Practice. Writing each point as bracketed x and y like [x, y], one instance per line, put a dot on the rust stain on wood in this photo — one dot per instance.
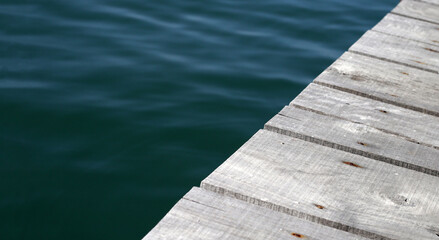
[416, 61]
[431, 50]
[297, 235]
[352, 164]
[319, 206]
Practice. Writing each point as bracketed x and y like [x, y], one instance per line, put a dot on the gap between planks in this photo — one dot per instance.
[409, 139]
[407, 8]
[197, 217]
[419, 19]
[355, 151]
[292, 212]
[373, 97]
[383, 117]
[393, 61]
[292, 176]
[410, 28]
[406, 38]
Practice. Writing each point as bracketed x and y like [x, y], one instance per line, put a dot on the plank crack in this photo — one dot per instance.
[190, 200]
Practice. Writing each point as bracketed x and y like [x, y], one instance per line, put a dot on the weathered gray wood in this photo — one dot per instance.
[385, 81]
[293, 176]
[356, 138]
[400, 50]
[427, 1]
[436, 2]
[406, 124]
[409, 28]
[418, 10]
[205, 215]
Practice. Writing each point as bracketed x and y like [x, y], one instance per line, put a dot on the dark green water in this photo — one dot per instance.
[112, 110]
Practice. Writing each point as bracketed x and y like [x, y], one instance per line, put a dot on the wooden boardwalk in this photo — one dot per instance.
[354, 156]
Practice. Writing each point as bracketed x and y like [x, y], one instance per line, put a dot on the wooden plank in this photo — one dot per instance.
[418, 10]
[384, 81]
[406, 124]
[356, 138]
[409, 28]
[331, 187]
[400, 50]
[205, 215]
[436, 2]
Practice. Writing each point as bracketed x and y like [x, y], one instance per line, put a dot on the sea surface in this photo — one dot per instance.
[111, 110]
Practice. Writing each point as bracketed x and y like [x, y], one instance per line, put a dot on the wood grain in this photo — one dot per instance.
[205, 215]
[425, 11]
[409, 28]
[355, 138]
[384, 81]
[404, 123]
[359, 195]
[436, 2]
[399, 50]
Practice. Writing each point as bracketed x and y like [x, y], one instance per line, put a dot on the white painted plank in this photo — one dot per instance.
[385, 81]
[418, 10]
[404, 123]
[409, 28]
[401, 50]
[356, 138]
[358, 194]
[206, 215]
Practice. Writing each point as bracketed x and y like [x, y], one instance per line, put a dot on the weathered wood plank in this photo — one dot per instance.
[409, 28]
[418, 10]
[406, 124]
[205, 215]
[331, 187]
[427, 1]
[384, 81]
[436, 2]
[399, 50]
[356, 138]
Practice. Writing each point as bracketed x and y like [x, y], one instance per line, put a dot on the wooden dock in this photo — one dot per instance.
[354, 156]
